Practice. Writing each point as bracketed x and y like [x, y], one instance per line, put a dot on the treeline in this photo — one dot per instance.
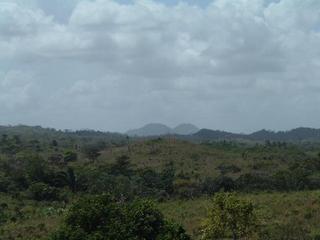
[31, 176]
[53, 172]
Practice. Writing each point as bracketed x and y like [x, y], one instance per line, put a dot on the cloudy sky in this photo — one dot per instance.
[237, 65]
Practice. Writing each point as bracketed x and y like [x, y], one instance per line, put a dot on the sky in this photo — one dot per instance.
[235, 65]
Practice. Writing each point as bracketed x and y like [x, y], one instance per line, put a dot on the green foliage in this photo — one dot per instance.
[103, 218]
[221, 183]
[4, 182]
[168, 177]
[122, 166]
[173, 231]
[43, 192]
[229, 216]
[225, 169]
[254, 181]
[292, 230]
[92, 152]
[68, 178]
[145, 221]
[70, 156]
[3, 213]
[36, 167]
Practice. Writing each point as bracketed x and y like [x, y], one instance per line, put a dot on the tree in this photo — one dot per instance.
[103, 218]
[36, 167]
[67, 178]
[229, 216]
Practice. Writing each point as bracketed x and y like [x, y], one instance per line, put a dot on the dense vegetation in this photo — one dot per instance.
[95, 185]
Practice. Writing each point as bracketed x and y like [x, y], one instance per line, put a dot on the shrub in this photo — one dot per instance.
[70, 156]
[249, 182]
[103, 218]
[229, 216]
[43, 192]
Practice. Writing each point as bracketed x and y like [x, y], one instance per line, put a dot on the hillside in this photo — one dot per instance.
[46, 135]
[198, 161]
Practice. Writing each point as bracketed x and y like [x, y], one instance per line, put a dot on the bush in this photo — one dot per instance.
[186, 190]
[70, 156]
[43, 192]
[225, 168]
[229, 217]
[103, 218]
[222, 183]
[4, 183]
[173, 231]
[249, 182]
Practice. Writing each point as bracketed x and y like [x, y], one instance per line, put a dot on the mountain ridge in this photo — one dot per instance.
[158, 129]
[296, 134]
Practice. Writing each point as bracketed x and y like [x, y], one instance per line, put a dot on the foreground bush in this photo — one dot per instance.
[103, 218]
[229, 217]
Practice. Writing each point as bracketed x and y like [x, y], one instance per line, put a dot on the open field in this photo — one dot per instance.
[302, 209]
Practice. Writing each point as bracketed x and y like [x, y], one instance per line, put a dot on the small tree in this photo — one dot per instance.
[229, 216]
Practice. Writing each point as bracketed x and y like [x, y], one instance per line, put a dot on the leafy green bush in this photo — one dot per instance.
[103, 218]
[229, 217]
[4, 182]
[43, 192]
[70, 156]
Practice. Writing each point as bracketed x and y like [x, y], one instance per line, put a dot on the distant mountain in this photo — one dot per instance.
[297, 134]
[158, 129]
[185, 129]
[152, 129]
[38, 132]
[208, 134]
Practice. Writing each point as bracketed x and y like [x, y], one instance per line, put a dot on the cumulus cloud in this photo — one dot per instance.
[105, 64]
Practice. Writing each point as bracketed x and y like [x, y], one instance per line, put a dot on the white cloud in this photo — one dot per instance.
[228, 65]
[15, 90]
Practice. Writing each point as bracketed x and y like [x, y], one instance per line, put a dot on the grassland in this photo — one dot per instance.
[203, 160]
[300, 210]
